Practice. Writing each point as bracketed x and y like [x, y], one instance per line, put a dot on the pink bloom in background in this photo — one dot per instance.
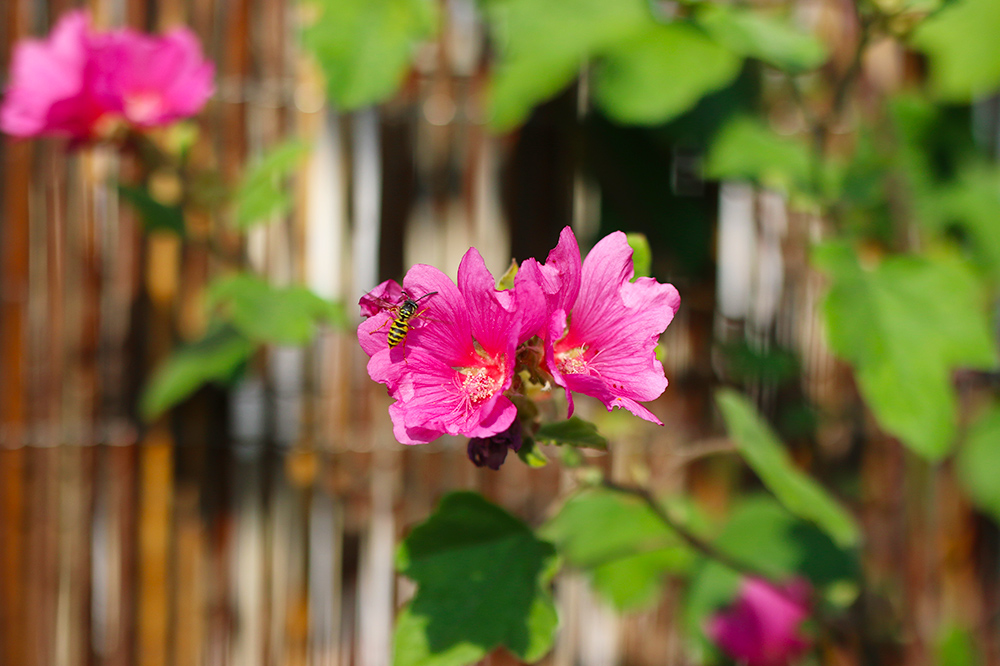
[78, 80]
[762, 627]
[151, 80]
[48, 91]
[450, 373]
[602, 329]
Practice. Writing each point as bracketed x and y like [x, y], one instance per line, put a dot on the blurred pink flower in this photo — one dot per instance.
[79, 81]
[449, 374]
[762, 627]
[151, 80]
[602, 329]
[48, 91]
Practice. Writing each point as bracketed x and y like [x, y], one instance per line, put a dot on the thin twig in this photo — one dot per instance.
[696, 542]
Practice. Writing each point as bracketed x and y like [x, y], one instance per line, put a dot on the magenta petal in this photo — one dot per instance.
[763, 626]
[379, 299]
[495, 324]
[47, 92]
[531, 305]
[444, 327]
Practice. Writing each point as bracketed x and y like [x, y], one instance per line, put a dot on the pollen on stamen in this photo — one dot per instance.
[479, 385]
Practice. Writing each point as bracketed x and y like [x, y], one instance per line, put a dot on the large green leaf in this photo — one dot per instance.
[757, 35]
[482, 579]
[265, 313]
[215, 358]
[263, 194]
[961, 43]
[747, 149]
[763, 536]
[542, 46]
[661, 72]
[797, 492]
[978, 462]
[365, 46]
[621, 543]
[904, 325]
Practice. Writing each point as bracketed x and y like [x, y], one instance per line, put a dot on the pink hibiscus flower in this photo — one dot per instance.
[48, 92]
[602, 328]
[151, 80]
[450, 372]
[762, 627]
[78, 82]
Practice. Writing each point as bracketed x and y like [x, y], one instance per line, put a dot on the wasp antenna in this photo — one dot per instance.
[429, 293]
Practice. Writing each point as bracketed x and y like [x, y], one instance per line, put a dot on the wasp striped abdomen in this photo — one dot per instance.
[398, 330]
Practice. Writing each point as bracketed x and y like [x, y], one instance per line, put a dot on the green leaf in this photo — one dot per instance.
[747, 149]
[956, 647]
[365, 46]
[506, 280]
[573, 432]
[531, 455]
[642, 255]
[960, 41]
[617, 538]
[756, 35]
[215, 358]
[905, 325]
[978, 461]
[482, 579]
[262, 195]
[155, 215]
[265, 313]
[542, 46]
[796, 491]
[972, 201]
[765, 537]
[661, 72]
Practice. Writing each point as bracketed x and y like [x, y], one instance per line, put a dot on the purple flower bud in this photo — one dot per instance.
[492, 451]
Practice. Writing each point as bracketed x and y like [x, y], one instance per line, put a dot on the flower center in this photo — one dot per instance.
[143, 107]
[573, 361]
[480, 384]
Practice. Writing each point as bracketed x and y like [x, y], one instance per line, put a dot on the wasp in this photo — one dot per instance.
[402, 314]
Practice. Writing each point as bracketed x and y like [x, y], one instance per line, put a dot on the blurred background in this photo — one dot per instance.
[256, 522]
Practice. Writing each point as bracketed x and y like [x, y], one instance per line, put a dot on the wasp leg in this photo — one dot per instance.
[387, 321]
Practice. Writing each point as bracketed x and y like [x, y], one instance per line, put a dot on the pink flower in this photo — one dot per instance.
[151, 80]
[48, 92]
[762, 627]
[450, 372]
[602, 329]
[79, 81]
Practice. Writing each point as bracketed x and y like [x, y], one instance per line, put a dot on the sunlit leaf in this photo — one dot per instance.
[757, 35]
[661, 72]
[155, 215]
[542, 46]
[960, 41]
[530, 454]
[265, 313]
[798, 492]
[573, 432]
[482, 579]
[979, 460]
[215, 358]
[263, 193]
[904, 325]
[747, 149]
[365, 46]
[642, 255]
[620, 542]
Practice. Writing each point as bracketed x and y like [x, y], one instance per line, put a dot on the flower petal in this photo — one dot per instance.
[494, 319]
